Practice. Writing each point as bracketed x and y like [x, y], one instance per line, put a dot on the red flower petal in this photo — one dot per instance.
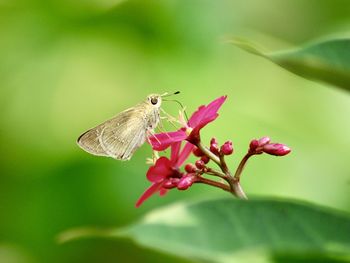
[162, 191]
[186, 151]
[148, 193]
[197, 116]
[175, 149]
[159, 171]
[161, 141]
[206, 114]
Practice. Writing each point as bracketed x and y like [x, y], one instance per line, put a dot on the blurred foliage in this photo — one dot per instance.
[68, 65]
[328, 60]
[259, 228]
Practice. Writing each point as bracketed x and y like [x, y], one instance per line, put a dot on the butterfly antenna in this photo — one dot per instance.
[166, 94]
[182, 107]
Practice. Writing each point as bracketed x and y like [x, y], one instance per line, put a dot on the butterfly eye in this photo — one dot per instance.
[154, 100]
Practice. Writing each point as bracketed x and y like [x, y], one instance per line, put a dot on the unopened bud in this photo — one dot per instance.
[186, 181]
[200, 164]
[171, 183]
[264, 140]
[227, 148]
[214, 147]
[197, 152]
[277, 149]
[253, 145]
[205, 159]
[190, 168]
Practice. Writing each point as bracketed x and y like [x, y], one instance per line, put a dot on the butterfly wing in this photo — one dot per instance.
[118, 137]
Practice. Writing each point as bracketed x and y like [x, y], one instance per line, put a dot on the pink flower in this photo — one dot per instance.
[165, 173]
[190, 132]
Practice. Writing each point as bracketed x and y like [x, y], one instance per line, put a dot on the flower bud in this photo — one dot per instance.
[205, 159]
[227, 148]
[171, 183]
[190, 168]
[197, 152]
[214, 148]
[277, 149]
[200, 164]
[253, 145]
[186, 181]
[264, 140]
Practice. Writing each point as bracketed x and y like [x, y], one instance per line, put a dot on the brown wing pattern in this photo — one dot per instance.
[118, 137]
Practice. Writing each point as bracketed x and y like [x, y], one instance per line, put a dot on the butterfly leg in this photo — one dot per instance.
[162, 130]
[151, 133]
[172, 120]
[155, 155]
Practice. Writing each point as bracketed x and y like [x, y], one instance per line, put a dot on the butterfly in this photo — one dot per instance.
[120, 136]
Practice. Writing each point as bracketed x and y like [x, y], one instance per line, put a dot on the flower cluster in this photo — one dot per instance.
[166, 173]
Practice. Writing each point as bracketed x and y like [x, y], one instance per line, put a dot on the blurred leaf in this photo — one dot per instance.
[327, 61]
[220, 230]
[10, 253]
[314, 258]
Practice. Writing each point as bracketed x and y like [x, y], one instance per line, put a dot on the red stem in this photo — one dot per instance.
[235, 187]
[214, 183]
[241, 166]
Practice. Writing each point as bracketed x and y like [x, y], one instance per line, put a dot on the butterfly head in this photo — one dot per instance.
[155, 100]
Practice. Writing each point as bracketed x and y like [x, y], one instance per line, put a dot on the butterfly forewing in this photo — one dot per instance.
[118, 137]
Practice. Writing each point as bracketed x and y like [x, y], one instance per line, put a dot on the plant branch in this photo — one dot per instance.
[208, 153]
[241, 166]
[214, 183]
[211, 171]
[238, 191]
[234, 185]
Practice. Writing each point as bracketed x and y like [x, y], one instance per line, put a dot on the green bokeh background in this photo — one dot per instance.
[66, 65]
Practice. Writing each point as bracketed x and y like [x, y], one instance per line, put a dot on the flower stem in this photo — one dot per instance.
[214, 183]
[233, 181]
[208, 153]
[238, 191]
[241, 166]
[211, 171]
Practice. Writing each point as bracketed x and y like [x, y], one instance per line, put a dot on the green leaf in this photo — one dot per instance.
[307, 258]
[228, 229]
[327, 61]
